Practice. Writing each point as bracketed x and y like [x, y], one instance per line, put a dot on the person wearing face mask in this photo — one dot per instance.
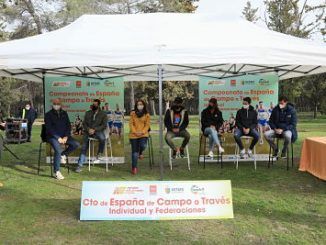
[58, 133]
[176, 121]
[94, 124]
[139, 125]
[211, 121]
[283, 124]
[246, 123]
[30, 115]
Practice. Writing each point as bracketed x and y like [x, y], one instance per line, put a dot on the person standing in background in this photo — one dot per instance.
[118, 122]
[110, 115]
[30, 115]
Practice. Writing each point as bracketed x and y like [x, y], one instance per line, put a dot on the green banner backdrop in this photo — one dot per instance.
[229, 93]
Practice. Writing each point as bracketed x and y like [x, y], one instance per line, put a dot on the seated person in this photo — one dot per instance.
[246, 123]
[283, 123]
[211, 121]
[176, 121]
[139, 126]
[58, 133]
[262, 121]
[94, 124]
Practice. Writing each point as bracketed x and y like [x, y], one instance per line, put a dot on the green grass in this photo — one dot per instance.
[271, 206]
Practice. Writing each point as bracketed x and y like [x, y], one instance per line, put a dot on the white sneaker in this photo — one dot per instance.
[249, 153]
[242, 153]
[63, 159]
[58, 176]
[221, 149]
[210, 154]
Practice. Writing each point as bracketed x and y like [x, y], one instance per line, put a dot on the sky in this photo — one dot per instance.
[235, 7]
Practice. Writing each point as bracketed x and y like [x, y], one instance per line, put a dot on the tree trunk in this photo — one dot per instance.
[31, 10]
[315, 111]
[153, 107]
[132, 96]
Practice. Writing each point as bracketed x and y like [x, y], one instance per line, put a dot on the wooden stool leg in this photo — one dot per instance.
[205, 152]
[39, 159]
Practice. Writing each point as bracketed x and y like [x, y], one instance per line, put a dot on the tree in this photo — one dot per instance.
[250, 13]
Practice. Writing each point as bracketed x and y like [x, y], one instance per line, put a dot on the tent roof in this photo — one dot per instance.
[187, 45]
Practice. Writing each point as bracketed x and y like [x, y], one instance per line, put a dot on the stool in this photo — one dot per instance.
[219, 155]
[187, 155]
[237, 152]
[271, 158]
[91, 148]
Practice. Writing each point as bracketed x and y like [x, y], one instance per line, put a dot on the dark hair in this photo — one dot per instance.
[283, 98]
[98, 101]
[213, 100]
[247, 99]
[178, 100]
[143, 102]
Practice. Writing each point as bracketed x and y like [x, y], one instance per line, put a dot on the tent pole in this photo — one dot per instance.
[160, 85]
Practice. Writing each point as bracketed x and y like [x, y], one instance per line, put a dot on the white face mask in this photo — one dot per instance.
[140, 107]
[245, 106]
[27, 107]
[56, 107]
[282, 106]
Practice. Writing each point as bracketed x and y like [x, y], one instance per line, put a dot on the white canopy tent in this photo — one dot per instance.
[161, 46]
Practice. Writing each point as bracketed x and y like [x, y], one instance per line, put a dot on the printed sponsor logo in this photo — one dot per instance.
[93, 83]
[78, 84]
[171, 190]
[216, 83]
[263, 82]
[127, 190]
[233, 83]
[61, 84]
[109, 83]
[195, 189]
[247, 82]
[153, 189]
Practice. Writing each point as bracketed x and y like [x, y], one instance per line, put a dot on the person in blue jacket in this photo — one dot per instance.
[283, 124]
[58, 133]
[30, 115]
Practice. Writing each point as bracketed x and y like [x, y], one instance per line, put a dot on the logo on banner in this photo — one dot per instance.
[195, 189]
[93, 83]
[233, 83]
[263, 82]
[64, 84]
[216, 83]
[109, 83]
[78, 84]
[121, 190]
[153, 189]
[248, 82]
[171, 190]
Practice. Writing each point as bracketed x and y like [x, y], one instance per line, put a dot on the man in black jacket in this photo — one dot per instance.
[283, 123]
[176, 121]
[30, 115]
[246, 123]
[211, 121]
[58, 133]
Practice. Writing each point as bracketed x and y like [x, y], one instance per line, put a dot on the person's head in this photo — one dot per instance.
[106, 106]
[140, 106]
[28, 106]
[212, 104]
[177, 104]
[261, 105]
[282, 101]
[246, 102]
[96, 104]
[56, 104]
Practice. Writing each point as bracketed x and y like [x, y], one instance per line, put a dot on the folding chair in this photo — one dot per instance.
[271, 158]
[219, 156]
[187, 155]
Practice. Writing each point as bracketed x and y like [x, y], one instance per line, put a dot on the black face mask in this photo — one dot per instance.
[94, 107]
[210, 107]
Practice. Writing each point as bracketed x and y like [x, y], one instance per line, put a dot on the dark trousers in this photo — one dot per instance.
[59, 151]
[29, 130]
[182, 134]
[137, 148]
[238, 133]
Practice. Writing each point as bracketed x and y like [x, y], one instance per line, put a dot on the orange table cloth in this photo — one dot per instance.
[313, 156]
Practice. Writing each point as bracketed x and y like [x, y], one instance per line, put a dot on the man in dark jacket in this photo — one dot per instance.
[246, 123]
[283, 124]
[94, 124]
[58, 133]
[30, 115]
[176, 121]
[211, 121]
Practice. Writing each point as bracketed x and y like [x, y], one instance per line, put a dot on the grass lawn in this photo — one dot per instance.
[271, 206]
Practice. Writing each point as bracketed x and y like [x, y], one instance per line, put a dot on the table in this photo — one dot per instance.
[313, 156]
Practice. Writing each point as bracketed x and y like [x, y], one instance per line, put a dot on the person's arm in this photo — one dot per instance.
[167, 120]
[293, 121]
[220, 120]
[185, 122]
[238, 121]
[85, 123]
[103, 123]
[272, 118]
[132, 123]
[68, 125]
[204, 122]
[255, 121]
[147, 124]
[49, 128]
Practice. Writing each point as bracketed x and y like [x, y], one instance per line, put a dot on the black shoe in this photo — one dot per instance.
[283, 155]
[174, 154]
[182, 153]
[275, 153]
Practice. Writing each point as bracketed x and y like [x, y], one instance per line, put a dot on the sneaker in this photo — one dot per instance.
[58, 176]
[283, 154]
[210, 154]
[174, 154]
[134, 171]
[275, 153]
[98, 159]
[78, 169]
[63, 159]
[221, 149]
[249, 153]
[242, 153]
[182, 153]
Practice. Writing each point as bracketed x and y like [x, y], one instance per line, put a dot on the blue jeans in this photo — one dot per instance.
[137, 148]
[101, 138]
[58, 151]
[212, 134]
[238, 133]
